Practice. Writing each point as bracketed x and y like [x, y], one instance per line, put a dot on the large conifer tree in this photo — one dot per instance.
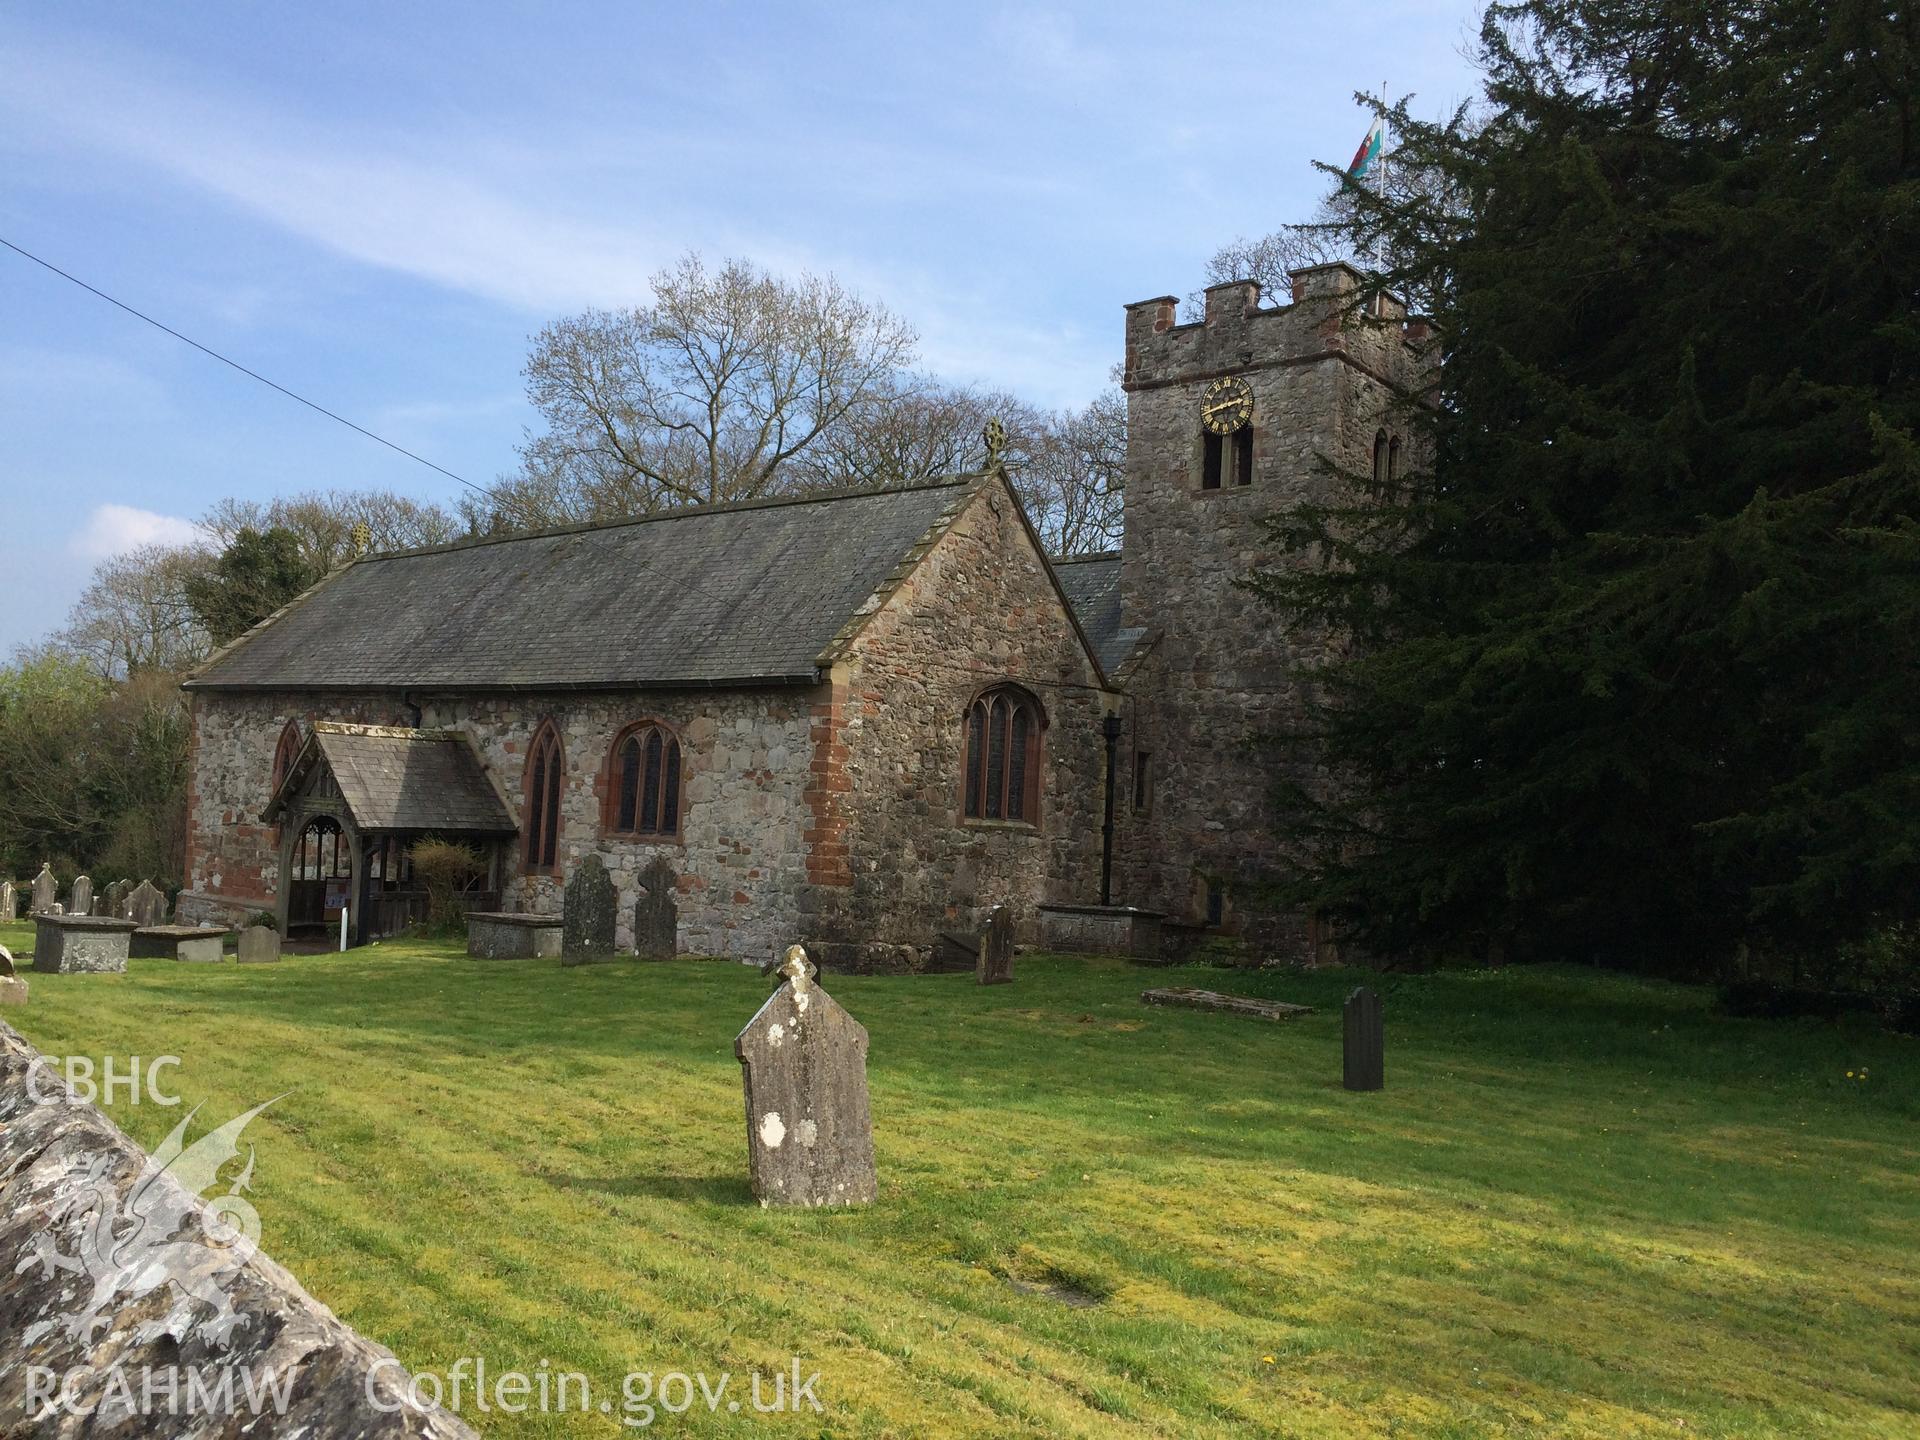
[1637, 672]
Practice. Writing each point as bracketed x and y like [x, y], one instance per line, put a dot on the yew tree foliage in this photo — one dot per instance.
[1636, 660]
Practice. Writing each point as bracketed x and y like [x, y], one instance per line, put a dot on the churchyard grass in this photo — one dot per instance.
[1582, 1205]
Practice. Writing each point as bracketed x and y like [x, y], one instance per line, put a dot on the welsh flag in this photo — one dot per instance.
[1368, 152]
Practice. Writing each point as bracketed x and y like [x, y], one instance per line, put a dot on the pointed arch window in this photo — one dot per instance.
[1002, 774]
[540, 804]
[643, 790]
[285, 753]
[1393, 461]
[1381, 451]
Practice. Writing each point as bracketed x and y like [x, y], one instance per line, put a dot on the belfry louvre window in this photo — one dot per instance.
[1243, 455]
[546, 767]
[1211, 446]
[1003, 756]
[643, 794]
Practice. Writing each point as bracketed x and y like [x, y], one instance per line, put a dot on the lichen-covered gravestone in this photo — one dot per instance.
[995, 963]
[46, 890]
[1364, 1036]
[587, 915]
[9, 901]
[147, 905]
[804, 1065]
[656, 919]
[82, 901]
[13, 990]
[115, 900]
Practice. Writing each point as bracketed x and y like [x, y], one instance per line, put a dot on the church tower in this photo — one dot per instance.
[1231, 420]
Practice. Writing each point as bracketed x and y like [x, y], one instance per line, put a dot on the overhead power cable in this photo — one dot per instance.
[251, 374]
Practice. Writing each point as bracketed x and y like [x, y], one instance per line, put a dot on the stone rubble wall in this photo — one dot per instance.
[56, 1160]
[1225, 672]
[904, 864]
[744, 756]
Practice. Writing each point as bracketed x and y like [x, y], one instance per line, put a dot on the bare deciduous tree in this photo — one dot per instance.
[710, 393]
[1073, 477]
[133, 616]
[322, 522]
[916, 429]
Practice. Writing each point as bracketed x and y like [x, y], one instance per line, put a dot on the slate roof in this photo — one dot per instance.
[708, 596]
[1092, 587]
[399, 779]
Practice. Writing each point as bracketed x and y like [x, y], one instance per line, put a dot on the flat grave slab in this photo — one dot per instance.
[178, 942]
[1188, 997]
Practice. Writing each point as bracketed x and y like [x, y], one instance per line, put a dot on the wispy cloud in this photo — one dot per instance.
[360, 195]
[115, 529]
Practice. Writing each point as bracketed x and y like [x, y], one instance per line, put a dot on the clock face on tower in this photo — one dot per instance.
[1227, 405]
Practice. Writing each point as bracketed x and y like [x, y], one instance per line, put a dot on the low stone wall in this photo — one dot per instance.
[113, 1278]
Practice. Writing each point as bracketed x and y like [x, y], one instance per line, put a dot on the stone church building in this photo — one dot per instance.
[858, 721]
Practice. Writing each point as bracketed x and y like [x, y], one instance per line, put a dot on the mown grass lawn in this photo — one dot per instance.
[1583, 1205]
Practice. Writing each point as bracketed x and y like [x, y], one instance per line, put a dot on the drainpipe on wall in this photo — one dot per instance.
[1110, 727]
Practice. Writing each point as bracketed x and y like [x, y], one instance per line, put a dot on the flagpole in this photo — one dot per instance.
[1380, 184]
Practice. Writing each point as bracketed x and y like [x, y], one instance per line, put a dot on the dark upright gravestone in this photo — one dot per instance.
[46, 890]
[995, 963]
[587, 914]
[804, 1065]
[1365, 1036]
[147, 905]
[114, 900]
[656, 919]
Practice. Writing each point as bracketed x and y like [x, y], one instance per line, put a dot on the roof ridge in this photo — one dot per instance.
[384, 732]
[678, 512]
[1083, 558]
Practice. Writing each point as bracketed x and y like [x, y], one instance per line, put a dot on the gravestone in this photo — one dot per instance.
[115, 901]
[147, 905]
[995, 963]
[9, 901]
[259, 945]
[45, 890]
[587, 915]
[13, 990]
[656, 919]
[803, 1063]
[1365, 1041]
[81, 902]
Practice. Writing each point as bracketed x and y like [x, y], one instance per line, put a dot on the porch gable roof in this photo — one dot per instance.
[392, 778]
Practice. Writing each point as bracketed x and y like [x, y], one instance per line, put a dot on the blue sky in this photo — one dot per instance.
[375, 205]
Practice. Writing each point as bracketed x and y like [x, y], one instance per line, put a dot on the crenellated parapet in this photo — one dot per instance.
[1329, 315]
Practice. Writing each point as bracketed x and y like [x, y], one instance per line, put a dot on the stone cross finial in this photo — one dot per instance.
[995, 438]
[798, 968]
